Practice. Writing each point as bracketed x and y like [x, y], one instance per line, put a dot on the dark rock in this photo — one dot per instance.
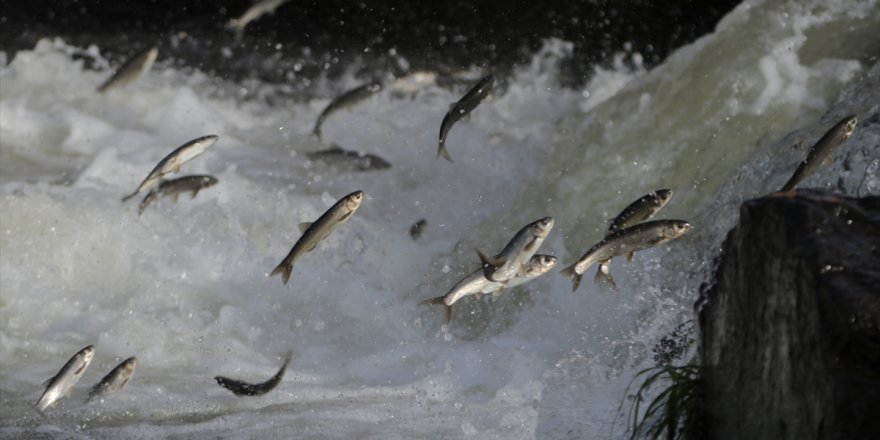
[791, 343]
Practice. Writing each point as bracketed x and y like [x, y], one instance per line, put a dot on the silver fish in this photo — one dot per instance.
[519, 250]
[114, 381]
[464, 106]
[172, 162]
[416, 230]
[313, 233]
[477, 284]
[821, 151]
[131, 70]
[347, 99]
[353, 160]
[60, 385]
[642, 209]
[256, 10]
[173, 188]
[241, 388]
[625, 242]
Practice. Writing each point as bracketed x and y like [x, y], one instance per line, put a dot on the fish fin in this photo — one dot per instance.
[629, 256]
[48, 381]
[312, 247]
[467, 118]
[284, 270]
[304, 226]
[316, 132]
[497, 294]
[174, 197]
[439, 300]
[194, 193]
[575, 277]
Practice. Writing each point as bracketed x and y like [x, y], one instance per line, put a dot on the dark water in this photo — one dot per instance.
[304, 39]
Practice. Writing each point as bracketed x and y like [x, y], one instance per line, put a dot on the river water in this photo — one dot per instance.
[185, 286]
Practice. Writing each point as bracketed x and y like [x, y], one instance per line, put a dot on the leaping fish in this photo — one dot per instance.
[114, 381]
[519, 250]
[131, 70]
[241, 388]
[347, 99]
[625, 242]
[460, 109]
[477, 284]
[353, 160]
[642, 209]
[172, 162]
[60, 385]
[313, 233]
[256, 10]
[821, 151]
[173, 188]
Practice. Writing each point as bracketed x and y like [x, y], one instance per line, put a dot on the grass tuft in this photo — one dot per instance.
[671, 414]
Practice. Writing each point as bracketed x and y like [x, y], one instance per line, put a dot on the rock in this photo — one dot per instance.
[791, 327]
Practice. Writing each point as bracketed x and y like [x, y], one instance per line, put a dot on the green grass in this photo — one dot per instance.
[672, 414]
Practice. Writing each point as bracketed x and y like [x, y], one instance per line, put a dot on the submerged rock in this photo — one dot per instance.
[791, 329]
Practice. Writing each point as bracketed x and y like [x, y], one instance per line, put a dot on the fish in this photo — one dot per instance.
[460, 109]
[821, 151]
[131, 70]
[507, 263]
[416, 230]
[353, 160]
[254, 12]
[60, 385]
[173, 188]
[476, 283]
[172, 162]
[625, 242]
[241, 388]
[115, 379]
[347, 99]
[642, 209]
[313, 233]
[636, 212]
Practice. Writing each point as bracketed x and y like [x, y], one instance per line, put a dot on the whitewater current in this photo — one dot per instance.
[185, 286]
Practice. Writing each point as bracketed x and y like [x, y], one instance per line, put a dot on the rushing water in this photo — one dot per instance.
[184, 287]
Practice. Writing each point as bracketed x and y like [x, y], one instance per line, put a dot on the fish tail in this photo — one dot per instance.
[789, 185]
[234, 26]
[442, 151]
[575, 277]
[439, 300]
[316, 132]
[795, 178]
[284, 269]
[490, 265]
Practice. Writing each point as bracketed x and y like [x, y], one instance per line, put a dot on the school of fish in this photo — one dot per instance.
[517, 263]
